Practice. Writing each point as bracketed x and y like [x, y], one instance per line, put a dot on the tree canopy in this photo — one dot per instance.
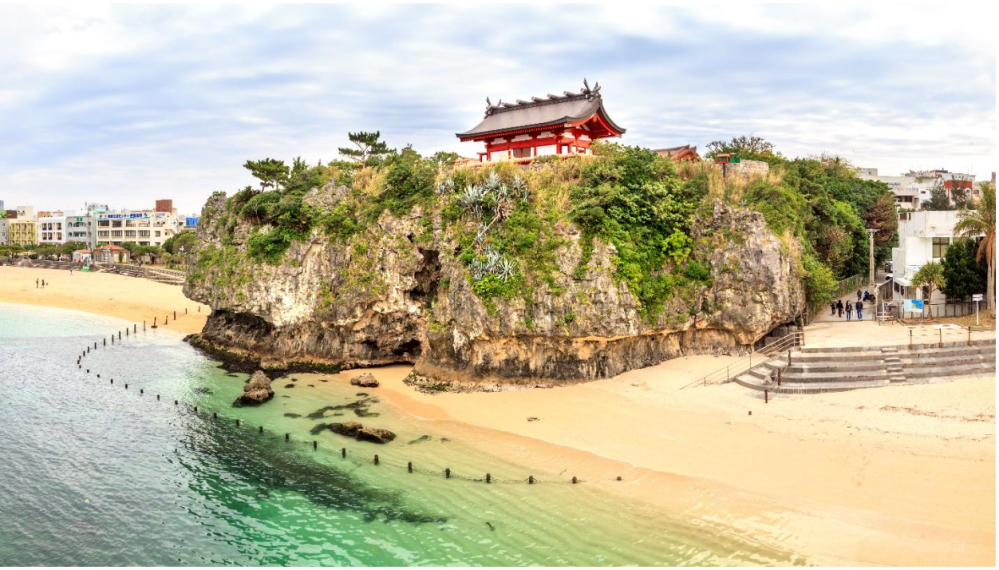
[369, 145]
[272, 173]
[963, 274]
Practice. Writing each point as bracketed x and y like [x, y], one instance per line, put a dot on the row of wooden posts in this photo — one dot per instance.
[287, 436]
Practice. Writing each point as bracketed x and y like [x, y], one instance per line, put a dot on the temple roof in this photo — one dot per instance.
[542, 112]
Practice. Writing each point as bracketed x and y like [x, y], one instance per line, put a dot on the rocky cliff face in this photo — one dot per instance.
[398, 292]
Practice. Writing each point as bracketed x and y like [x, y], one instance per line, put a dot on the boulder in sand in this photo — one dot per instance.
[256, 392]
[366, 380]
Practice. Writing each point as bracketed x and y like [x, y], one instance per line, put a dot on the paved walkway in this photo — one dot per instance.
[832, 330]
[823, 315]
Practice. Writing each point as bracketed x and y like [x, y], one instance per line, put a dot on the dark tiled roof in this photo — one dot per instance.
[540, 112]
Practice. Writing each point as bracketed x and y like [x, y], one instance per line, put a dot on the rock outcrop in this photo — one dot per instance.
[357, 431]
[256, 391]
[398, 293]
[366, 380]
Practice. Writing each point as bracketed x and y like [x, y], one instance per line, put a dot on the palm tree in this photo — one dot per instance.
[931, 275]
[981, 221]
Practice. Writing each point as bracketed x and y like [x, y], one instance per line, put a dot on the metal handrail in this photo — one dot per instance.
[736, 368]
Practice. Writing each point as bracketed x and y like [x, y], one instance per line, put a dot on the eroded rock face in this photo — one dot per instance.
[404, 297]
[256, 391]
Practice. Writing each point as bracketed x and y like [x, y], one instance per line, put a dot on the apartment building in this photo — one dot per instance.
[143, 227]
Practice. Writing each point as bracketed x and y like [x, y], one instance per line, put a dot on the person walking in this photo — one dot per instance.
[36, 283]
[849, 311]
[858, 294]
[839, 307]
[832, 309]
[860, 311]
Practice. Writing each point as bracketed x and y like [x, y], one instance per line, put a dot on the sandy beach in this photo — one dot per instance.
[128, 298]
[901, 475]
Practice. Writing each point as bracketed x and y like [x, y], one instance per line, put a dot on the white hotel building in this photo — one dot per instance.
[143, 227]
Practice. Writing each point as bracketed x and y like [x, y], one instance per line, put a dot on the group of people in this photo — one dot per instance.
[839, 307]
[39, 283]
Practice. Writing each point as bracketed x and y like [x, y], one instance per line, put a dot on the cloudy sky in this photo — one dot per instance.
[124, 105]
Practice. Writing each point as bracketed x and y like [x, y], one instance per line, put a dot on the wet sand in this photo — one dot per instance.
[128, 298]
[901, 475]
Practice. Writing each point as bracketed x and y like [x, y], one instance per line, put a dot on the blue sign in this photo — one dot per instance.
[913, 306]
[191, 222]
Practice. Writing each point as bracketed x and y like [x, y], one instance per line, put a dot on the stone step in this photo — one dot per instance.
[923, 343]
[917, 363]
[836, 376]
[871, 356]
[956, 370]
[836, 366]
[799, 388]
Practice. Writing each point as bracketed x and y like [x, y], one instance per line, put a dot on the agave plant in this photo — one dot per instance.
[446, 186]
[493, 182]
[480, 234]
[472, 198]
[505, 269]
[493, 258]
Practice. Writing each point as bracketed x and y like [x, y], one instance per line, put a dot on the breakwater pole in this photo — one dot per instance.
[377, 459]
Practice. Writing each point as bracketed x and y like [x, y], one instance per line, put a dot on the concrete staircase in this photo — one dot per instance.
[816, 370]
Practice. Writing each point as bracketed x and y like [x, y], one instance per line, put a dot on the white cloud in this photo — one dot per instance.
[127, 104]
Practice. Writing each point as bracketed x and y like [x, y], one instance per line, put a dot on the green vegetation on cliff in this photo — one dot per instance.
[510, 224]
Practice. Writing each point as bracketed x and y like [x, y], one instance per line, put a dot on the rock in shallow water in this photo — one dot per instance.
[257, 391]
[361, 433]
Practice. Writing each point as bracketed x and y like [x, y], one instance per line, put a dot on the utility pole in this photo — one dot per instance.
[871, 233]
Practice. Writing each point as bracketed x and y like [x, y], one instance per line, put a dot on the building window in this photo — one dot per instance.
[940, 247]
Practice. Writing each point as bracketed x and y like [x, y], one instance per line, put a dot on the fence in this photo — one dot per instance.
[934, 310]
[722, 375]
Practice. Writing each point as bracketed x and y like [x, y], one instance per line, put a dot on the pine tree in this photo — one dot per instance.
[368, 146]
[271, 172]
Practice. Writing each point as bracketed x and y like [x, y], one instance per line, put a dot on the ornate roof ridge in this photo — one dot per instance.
[585, 93]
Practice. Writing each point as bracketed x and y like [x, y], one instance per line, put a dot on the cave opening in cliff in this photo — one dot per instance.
[427, 276]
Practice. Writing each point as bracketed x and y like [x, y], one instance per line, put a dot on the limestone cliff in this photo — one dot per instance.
[400, 290]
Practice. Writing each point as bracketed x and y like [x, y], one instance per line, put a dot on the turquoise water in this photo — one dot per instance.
[92, 473]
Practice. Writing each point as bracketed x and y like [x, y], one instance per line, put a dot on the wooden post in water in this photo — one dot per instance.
[154, 323]
[409, 466]
[175, 315]
[766, 397]
[530, 479]
[489, 478]
[376, 459]
[315, 445]
[447, 472]
[287, 437]
[574, 480]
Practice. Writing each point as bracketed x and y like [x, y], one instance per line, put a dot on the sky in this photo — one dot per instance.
[124, 105]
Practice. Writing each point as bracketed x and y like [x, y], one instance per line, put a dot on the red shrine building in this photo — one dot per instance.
[557, 124]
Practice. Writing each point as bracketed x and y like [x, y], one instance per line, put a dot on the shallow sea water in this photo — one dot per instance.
[92, 473]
